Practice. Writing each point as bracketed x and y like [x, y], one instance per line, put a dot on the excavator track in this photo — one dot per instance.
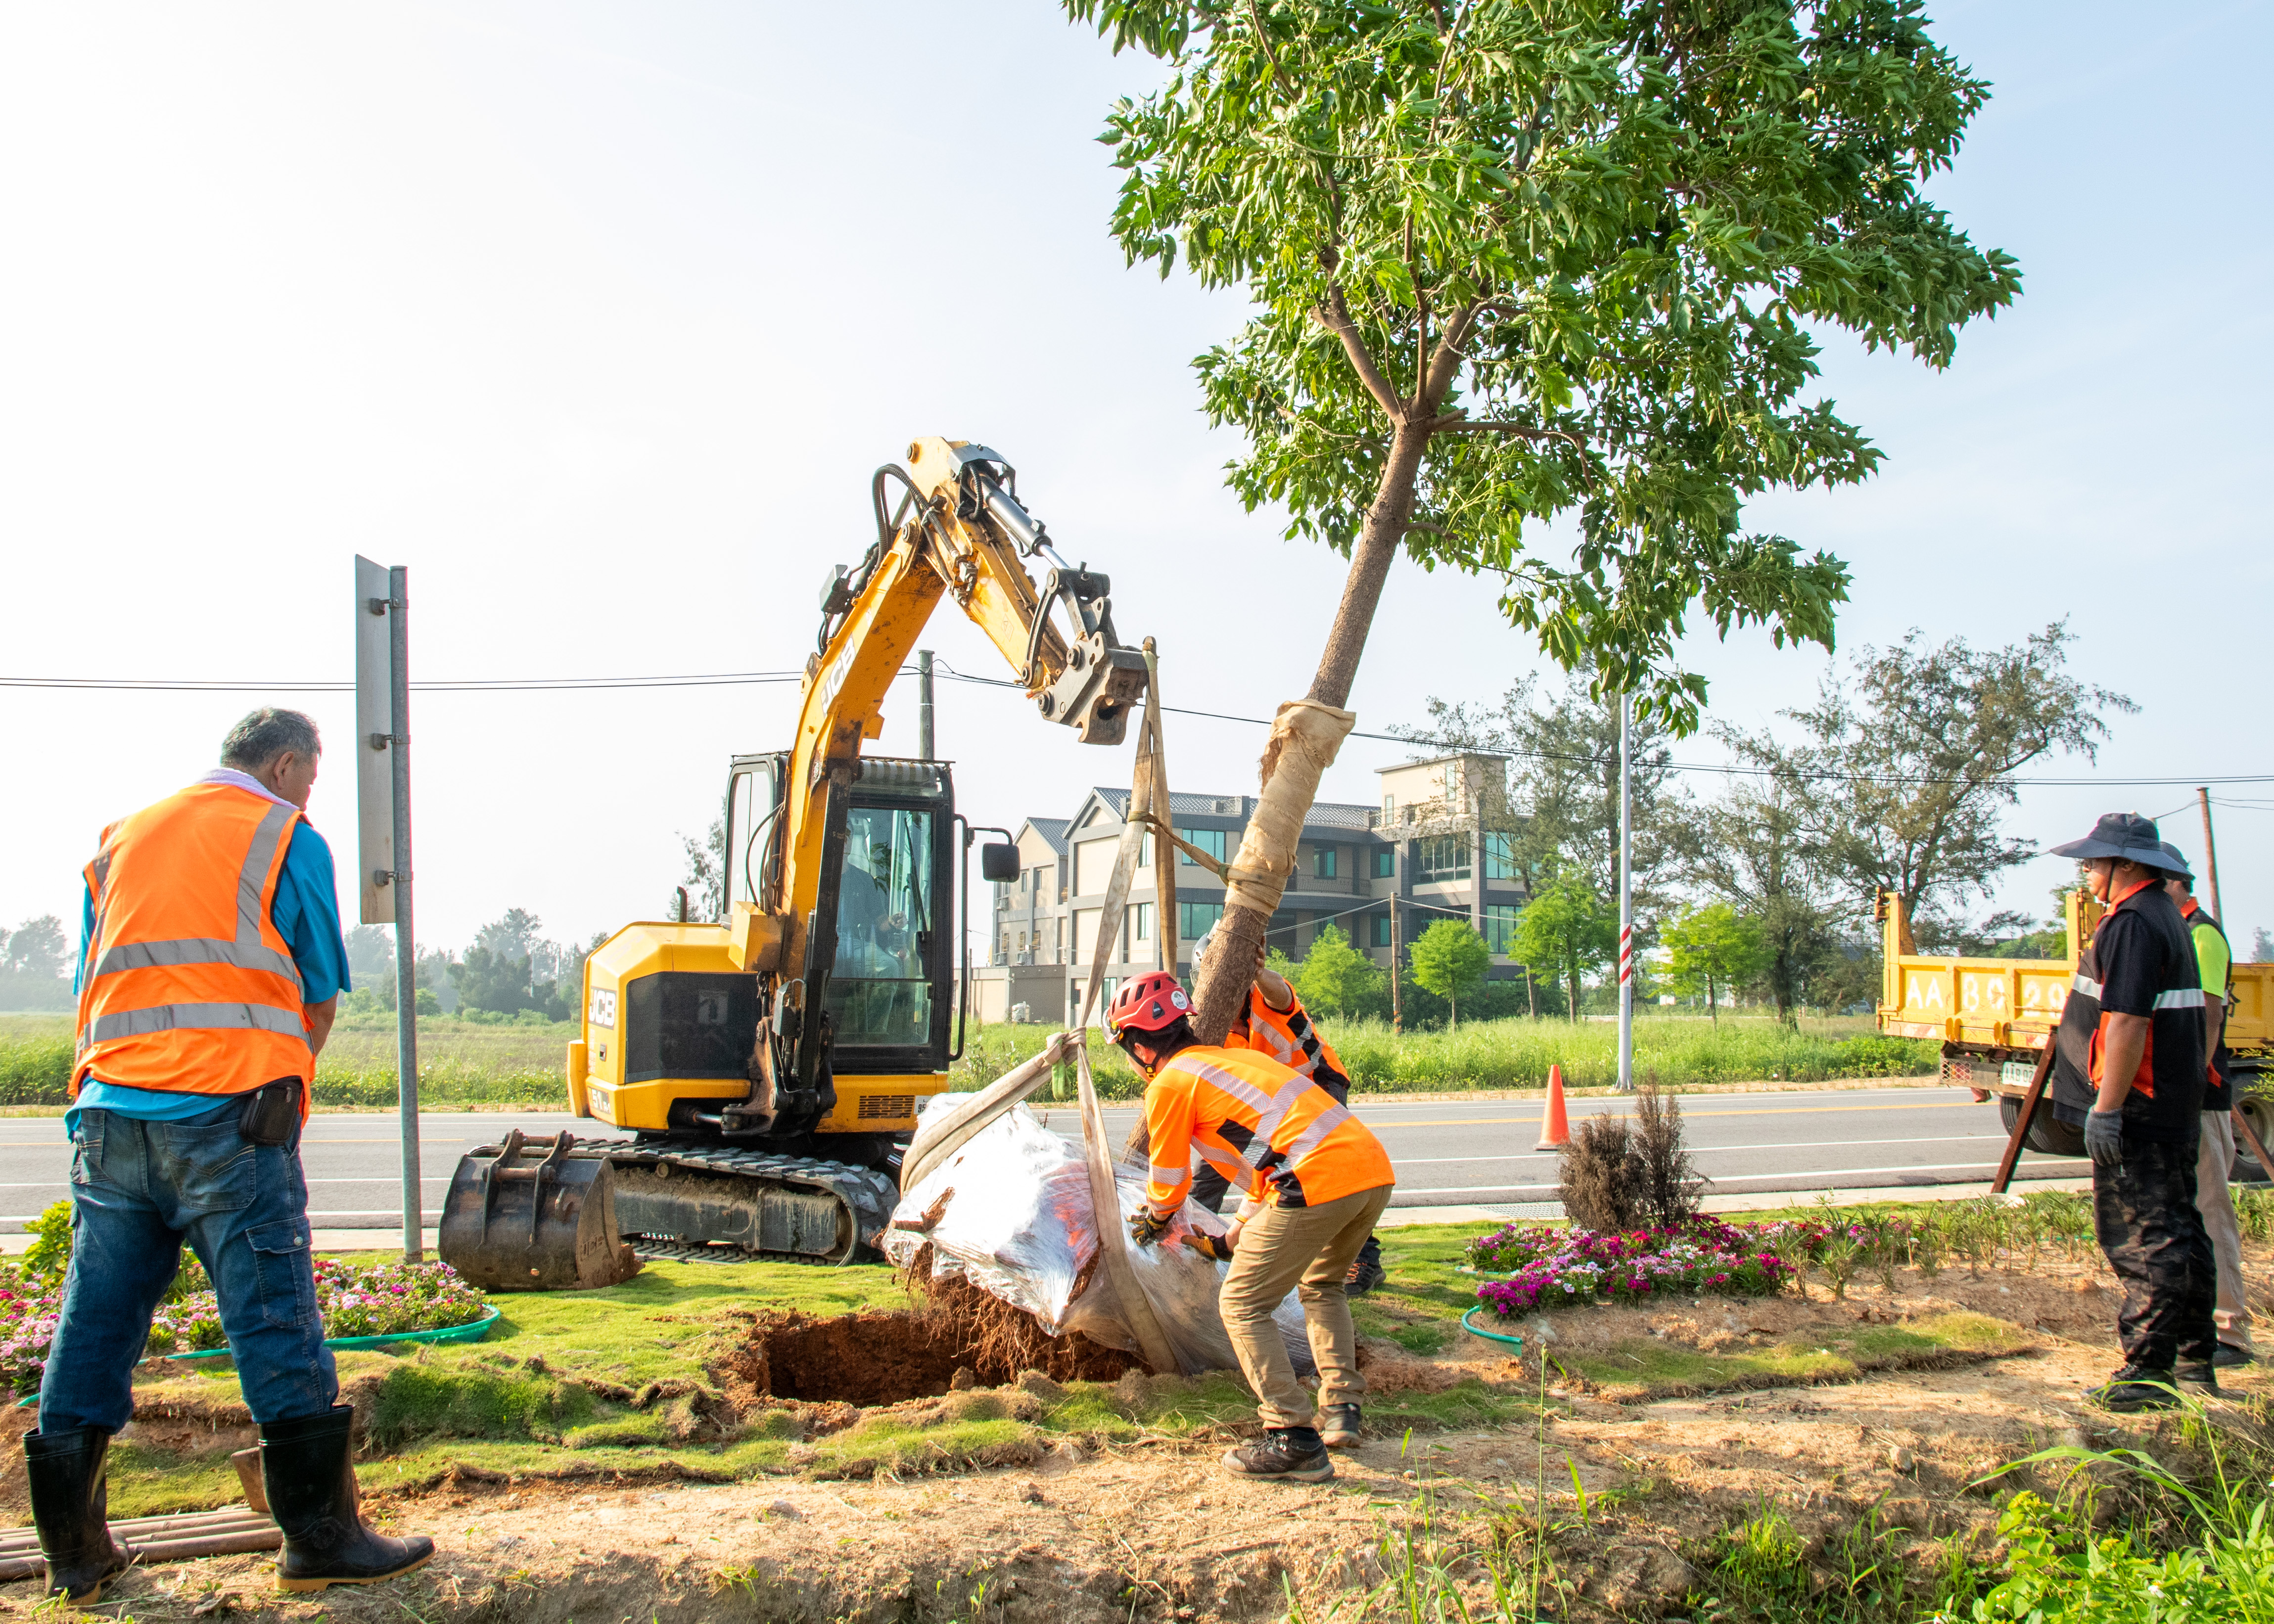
[706, 1203]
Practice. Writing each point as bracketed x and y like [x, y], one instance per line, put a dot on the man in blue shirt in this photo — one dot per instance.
[209, 973]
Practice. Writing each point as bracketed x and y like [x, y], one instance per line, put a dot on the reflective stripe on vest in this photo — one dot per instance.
[2184, 998]
[2085, 984]
[199, 1017]
[191, 1010]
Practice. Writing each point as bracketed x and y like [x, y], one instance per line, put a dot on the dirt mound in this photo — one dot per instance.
[961, 1338]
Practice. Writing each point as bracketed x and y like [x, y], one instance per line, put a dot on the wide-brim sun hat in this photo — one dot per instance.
[2125, 836]
[2178, 865]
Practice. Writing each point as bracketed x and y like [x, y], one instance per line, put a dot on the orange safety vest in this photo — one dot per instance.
[189, 987]
[1269, 1130]
[1290, 1037]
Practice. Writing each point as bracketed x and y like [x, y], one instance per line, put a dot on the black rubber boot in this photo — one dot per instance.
[70, 1502]
[307, 1467]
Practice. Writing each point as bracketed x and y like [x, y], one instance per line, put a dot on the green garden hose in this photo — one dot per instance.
[1497, 1336]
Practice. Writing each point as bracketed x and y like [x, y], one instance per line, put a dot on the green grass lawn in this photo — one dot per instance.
[620, 1383]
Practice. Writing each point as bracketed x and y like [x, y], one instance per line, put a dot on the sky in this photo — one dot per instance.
[597, 317]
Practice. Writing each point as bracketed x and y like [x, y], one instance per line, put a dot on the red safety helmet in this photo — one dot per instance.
[1151, 1003]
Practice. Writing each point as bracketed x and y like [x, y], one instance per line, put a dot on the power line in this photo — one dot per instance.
[511, 685]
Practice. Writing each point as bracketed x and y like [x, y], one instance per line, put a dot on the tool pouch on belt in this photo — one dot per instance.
[270, 1113]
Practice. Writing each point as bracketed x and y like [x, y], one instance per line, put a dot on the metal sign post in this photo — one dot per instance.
[383, 806]
[1626, 899]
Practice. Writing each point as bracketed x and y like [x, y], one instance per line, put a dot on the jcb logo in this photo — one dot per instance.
[603, 1009]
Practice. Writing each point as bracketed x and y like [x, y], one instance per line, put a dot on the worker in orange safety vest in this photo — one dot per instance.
[1276, 1023]
[211, 965]
[1318, 1180]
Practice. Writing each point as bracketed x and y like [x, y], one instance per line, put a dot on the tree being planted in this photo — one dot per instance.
[1513, 261]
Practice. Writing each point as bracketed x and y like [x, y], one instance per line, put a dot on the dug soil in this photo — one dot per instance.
[1637, 1478]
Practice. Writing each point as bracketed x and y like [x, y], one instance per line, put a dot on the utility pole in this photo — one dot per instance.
[1626, 898]
[2211, 854]
[1396, 1004]
[924, 704]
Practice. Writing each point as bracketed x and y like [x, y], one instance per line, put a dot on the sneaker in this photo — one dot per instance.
[1287, 1454]
[2198, 1375]
[2132, 1388]
[1338, 1426]
[2229, 1356]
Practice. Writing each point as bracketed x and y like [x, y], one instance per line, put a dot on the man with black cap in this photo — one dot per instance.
[2129, 1069]
[2214, 1157]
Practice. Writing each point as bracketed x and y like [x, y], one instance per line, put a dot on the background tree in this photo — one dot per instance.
[1563, 777]
[1513, 259]
[2261, 947]
[1754, 849]
[1451, 960]
[706, 880]
[39, 947]
[1709, 950]
[1565, 925]
[1909, 764]
[1335, 978]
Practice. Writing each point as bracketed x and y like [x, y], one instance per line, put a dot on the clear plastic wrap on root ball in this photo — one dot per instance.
[1010, 1212]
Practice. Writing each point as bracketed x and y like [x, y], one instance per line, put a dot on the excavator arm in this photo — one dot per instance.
[957, 530]
[949, 525]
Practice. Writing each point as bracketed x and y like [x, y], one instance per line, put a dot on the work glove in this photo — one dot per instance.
[1146, 1226]
[1215, 1247]
[2104, 1137]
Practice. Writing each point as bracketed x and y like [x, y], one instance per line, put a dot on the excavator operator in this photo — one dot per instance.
[1320, 1181]
[1275, 1024]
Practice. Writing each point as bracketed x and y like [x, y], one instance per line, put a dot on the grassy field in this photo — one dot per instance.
[1675, 1051]
[469, 1066]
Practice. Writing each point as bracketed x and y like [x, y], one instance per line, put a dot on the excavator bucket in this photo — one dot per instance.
[535, 1217]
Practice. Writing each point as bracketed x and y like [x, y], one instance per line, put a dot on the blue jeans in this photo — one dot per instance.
[139, 1190]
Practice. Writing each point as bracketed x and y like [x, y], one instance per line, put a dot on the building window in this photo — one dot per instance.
[1389, 807]
[1208, 840]
[1195, 918]
[1382, 931]
[1385, 863]
[1325, 861]
[1442, 857]
[1145, 853]
[1140, 922]
[1500, 926]
[1500, 857]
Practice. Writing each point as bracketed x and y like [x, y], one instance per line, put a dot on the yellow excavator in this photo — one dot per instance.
[770, 1066]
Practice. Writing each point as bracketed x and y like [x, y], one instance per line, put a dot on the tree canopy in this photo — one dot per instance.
[1906, 766]
[1335, 978]
[1518, 259]
[1451, 960]
[1711, 949]
[1565, 929]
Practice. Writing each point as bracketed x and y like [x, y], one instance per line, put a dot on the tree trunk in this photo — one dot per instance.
[1712, 1009]
[1221, 992]
[1572, 986]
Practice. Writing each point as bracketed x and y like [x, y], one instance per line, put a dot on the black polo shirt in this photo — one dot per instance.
[2141, 961]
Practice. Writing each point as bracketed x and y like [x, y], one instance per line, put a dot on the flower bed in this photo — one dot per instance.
[1558, 1266]
[355, 1299]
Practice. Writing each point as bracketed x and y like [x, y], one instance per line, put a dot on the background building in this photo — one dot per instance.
[1438, 846]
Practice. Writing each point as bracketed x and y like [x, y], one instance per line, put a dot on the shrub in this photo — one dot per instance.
[1600, 1176]
[1670, 1187]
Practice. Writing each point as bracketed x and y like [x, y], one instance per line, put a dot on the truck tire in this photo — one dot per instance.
[2049, 1136]
[2258, 1111]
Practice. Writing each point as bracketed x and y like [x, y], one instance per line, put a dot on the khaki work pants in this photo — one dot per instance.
[2214, 1163]
[1309, 1250]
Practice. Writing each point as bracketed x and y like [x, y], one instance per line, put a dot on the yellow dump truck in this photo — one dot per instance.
[1994, 1017]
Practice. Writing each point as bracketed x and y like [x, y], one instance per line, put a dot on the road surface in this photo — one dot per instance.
[1452, 1152]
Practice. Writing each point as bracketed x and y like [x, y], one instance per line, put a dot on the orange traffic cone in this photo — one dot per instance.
[1556, 1133]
